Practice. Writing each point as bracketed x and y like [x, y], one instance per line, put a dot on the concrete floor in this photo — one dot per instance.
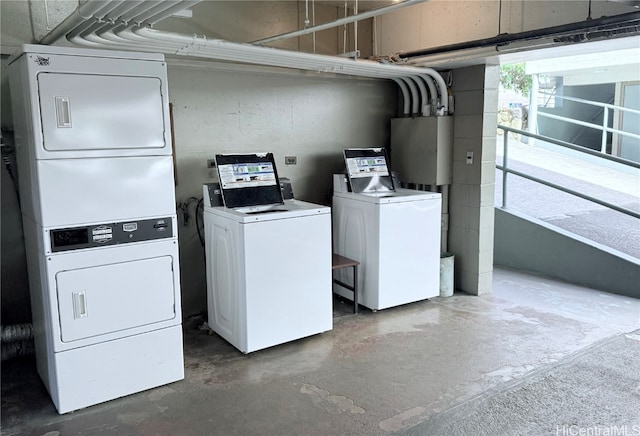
[393, 371]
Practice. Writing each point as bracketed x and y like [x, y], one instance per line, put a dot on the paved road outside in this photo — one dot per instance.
[585, 218]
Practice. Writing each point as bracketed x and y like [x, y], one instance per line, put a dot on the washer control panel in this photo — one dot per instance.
[101, 235]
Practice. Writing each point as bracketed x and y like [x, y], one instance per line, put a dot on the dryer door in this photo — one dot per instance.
[113, 298]
[83, 112]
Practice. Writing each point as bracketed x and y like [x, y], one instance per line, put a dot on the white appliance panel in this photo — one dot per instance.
[224, 275]
[288, 264]
[78, 191]
[396, 242]
[100, 112]
[80, 263]
[409, 252]
[113, 369]
[111, 298]
[268, 282]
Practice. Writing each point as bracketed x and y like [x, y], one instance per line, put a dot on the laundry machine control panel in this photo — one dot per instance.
[101, 235]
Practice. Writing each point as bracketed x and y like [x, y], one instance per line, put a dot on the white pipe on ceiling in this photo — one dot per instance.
[340, 21]
[119, 33]
[83, 13]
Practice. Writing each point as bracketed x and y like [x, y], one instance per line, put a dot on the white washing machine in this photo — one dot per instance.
[98, 209]
[393, 233]
[268, 274]
[396, 239]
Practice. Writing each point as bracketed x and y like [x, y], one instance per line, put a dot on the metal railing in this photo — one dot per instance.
[506, 170]
[604, 127]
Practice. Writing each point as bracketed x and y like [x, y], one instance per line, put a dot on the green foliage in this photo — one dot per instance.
[512, 76]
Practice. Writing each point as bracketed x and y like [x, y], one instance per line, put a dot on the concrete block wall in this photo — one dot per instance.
[472, 193]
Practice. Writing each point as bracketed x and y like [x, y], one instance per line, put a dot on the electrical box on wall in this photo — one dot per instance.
[422, 149]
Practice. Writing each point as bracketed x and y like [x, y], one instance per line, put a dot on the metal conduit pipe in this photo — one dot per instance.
[143, 6]
[83, 13]
[107, 16]
[148, 39]
[92, 25]
[340, 21]
[183, 4]
[195, 46]
[433, 93]
[406, 108]
[123, 8]
[424, 97]
[110, 19]
[158, 9]
[139, 12]
[415, 100]
[246, 53]
[89, 35]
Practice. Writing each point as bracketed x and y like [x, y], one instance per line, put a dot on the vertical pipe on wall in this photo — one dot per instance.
[355, 28]
[444, 242]
[433, 93]
[406, 102]
[415, 101]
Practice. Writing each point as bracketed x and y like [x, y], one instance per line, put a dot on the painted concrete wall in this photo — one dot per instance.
[532, 245]
[217, 109]
[472, 192]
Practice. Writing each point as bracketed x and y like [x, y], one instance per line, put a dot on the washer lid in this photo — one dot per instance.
[399, 196]
[290, 209]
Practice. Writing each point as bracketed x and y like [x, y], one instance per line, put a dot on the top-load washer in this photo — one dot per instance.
[268, 260]
[393, 233]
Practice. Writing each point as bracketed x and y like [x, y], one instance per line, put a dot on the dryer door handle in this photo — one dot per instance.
[63, 112]
[79, 304]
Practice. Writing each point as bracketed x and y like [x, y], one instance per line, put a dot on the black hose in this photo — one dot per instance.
[199, 212]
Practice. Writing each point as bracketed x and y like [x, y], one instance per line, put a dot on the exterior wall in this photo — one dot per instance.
[548, 248]
[472, 192]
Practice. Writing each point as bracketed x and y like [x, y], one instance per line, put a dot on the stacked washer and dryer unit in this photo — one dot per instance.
[98, 206]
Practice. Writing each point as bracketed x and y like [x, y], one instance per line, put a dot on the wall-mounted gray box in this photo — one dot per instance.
[422, 149]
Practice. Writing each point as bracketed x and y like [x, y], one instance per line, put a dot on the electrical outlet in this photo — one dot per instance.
[469, 157]
[211, 163]
[290, 160]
